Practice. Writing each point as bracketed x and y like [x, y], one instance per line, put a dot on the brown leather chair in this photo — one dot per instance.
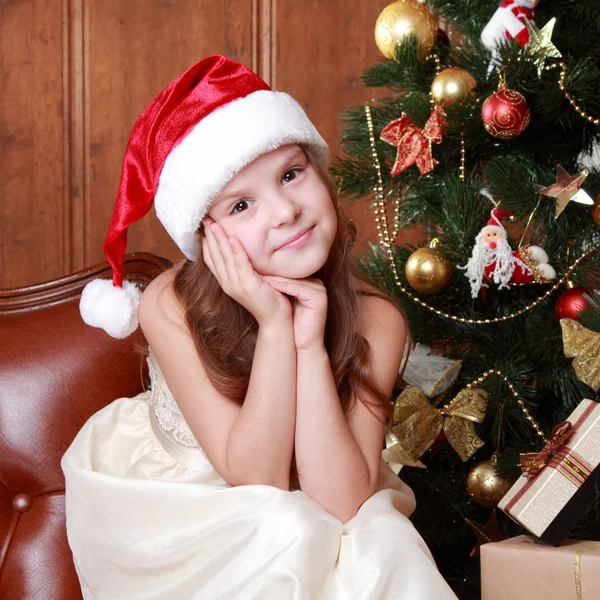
[55, 372]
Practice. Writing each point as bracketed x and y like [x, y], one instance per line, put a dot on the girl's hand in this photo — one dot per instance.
[309, 306]
[229, 263]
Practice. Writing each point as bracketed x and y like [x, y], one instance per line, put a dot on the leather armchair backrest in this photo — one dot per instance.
[55, 372]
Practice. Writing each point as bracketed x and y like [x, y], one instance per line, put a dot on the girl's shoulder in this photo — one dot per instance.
[364, 286]
[159, 300]
[380, 315]
[372, 298]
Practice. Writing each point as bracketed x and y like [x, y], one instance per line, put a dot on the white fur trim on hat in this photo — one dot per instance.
[497, 228]
[111, 308]
[217, 148]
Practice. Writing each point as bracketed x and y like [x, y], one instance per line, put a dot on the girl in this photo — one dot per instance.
[252, 468]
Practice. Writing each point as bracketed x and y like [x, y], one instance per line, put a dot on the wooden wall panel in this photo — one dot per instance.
[33, 219]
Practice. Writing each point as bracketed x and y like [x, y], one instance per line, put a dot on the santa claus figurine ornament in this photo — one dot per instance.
[493, 260]
[508, 23]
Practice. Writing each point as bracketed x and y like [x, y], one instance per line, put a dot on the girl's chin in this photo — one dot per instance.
[302, 270]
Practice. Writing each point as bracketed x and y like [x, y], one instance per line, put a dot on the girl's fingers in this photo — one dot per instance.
[222, 254]
[315, 284]
[223, 245]
[219, 270]
[303, 292]
[207, 257]
[240, 258]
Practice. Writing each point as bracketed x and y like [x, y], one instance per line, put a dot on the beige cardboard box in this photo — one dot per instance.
[526, 568]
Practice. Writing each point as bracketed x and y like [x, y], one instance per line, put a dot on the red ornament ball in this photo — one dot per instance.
[505, 114]
[571, 303]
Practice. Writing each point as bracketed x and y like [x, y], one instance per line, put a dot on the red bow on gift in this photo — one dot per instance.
[414, 143]
[532, 463]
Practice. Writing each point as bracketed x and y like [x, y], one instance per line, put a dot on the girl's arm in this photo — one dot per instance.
[338, 455]
[248, 444]
[261, 441]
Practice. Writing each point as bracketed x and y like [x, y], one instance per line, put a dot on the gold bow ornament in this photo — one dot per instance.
[584, 345]
[416, 425]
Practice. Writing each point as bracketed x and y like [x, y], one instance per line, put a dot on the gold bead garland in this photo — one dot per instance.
[438, 68]
[396, 221]
[561, 84]
[462, 157]
[514, 392]
[382, 227]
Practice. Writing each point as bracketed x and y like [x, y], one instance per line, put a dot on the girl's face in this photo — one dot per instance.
[273, 200]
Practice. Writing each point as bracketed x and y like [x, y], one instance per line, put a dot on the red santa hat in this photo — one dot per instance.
[202, 129]
[494, 223]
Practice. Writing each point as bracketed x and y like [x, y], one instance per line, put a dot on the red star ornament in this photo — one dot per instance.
[490, 532]
[414, 143]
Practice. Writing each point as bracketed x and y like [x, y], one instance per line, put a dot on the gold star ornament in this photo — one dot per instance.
[566, 189]
[540, 45]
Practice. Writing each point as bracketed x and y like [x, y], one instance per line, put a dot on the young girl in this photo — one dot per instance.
[252, 467]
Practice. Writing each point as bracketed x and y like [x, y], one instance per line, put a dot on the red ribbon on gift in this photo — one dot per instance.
[414, 143]
[532, 463]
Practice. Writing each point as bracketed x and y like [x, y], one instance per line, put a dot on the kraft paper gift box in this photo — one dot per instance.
[562, 480]
[526, 568]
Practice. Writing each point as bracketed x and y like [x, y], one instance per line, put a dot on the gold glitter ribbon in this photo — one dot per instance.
[584, 345]
[577, 568]
[416, 425]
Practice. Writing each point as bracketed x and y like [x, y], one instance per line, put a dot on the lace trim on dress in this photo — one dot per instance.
[166, 410]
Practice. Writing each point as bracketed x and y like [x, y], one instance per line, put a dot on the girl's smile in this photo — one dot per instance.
[298, 241]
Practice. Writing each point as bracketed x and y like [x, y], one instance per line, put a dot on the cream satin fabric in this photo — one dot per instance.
[149, 518]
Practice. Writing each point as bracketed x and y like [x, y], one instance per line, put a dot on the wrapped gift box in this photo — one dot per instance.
[549, 498]
[526, 568]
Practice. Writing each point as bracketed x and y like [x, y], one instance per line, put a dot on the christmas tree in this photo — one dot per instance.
[483, 137]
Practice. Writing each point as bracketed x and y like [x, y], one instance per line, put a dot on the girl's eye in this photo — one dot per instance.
[238, 204]
[291, 174]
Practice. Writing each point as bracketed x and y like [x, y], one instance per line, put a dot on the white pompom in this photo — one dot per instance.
[111, 308]
[546, 271]
[538, 254]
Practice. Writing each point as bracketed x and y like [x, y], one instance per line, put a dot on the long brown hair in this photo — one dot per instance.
[225, 333]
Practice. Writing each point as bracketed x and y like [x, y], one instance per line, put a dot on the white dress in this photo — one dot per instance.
[149, 518]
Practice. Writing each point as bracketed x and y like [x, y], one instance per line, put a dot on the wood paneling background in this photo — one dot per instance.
[75, 74]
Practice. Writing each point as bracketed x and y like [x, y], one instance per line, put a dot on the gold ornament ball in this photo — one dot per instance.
[596, 211]
[484, 485]
[403, 18]
[428, 271]
[452, 86]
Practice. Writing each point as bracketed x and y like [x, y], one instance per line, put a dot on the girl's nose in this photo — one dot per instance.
[285, 210]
